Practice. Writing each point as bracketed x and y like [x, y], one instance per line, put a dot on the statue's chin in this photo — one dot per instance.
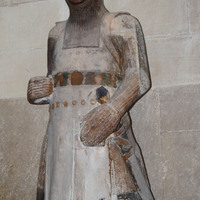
[76, 2]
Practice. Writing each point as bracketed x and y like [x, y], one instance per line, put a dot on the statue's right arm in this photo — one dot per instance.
[40, 88]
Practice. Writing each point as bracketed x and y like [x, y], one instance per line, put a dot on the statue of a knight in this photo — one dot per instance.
[97, 70]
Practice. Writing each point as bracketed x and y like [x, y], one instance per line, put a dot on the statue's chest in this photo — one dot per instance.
[88, 50]
[85, 59]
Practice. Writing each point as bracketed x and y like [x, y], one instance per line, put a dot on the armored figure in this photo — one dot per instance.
[97, 70]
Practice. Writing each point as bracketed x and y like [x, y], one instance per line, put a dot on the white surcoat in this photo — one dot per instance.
[75, 171]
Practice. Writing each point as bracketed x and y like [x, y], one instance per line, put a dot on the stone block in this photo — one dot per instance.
[146, 125]
[17, 69]
[15, 2]
[157, 17]
[22, 128]
[181, 160]
[26, 26]
[179, 109]
[194, 16]
[174, 61]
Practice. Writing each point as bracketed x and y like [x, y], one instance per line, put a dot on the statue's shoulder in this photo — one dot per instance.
[123, 16]
[122, 23]
[58, 29]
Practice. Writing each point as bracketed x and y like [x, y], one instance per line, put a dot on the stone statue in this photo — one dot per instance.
[97, 70]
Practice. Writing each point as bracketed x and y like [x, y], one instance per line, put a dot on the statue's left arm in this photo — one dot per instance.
[136, 81]
[126, 32]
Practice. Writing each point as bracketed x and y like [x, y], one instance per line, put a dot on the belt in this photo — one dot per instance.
[87, 78]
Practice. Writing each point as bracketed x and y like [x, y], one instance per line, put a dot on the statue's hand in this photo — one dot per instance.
[99, 124]
[39, 89]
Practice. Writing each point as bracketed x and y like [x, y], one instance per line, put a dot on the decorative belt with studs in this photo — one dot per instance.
[65, 104]
[87, 78]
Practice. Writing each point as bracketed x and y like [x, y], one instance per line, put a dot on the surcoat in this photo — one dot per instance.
[114, 169]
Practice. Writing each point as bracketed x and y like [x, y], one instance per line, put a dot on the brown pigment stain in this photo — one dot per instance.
[11, 166]
[76, 78]
[59, 79]
[103, 100]
[123, 141]
[57, 104]
[127, 156]
[65, 104]
[52, 106]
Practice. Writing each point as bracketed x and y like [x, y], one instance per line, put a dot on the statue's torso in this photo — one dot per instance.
[74, 171]
[70, 163]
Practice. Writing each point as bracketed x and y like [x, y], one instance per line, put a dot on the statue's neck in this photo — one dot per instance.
[84, 24]
[88, 14]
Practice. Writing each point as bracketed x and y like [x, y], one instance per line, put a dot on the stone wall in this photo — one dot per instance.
[166, 121]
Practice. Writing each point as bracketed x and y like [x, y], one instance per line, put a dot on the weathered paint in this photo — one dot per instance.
[100, 69]
[65, 103]
[76, 78]
[87, 78]
[130, 196]
[42, 170]
[102, 95]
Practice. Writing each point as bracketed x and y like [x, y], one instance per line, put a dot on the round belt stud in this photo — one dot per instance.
[83, 102]
[74, 102]
[92, 101]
